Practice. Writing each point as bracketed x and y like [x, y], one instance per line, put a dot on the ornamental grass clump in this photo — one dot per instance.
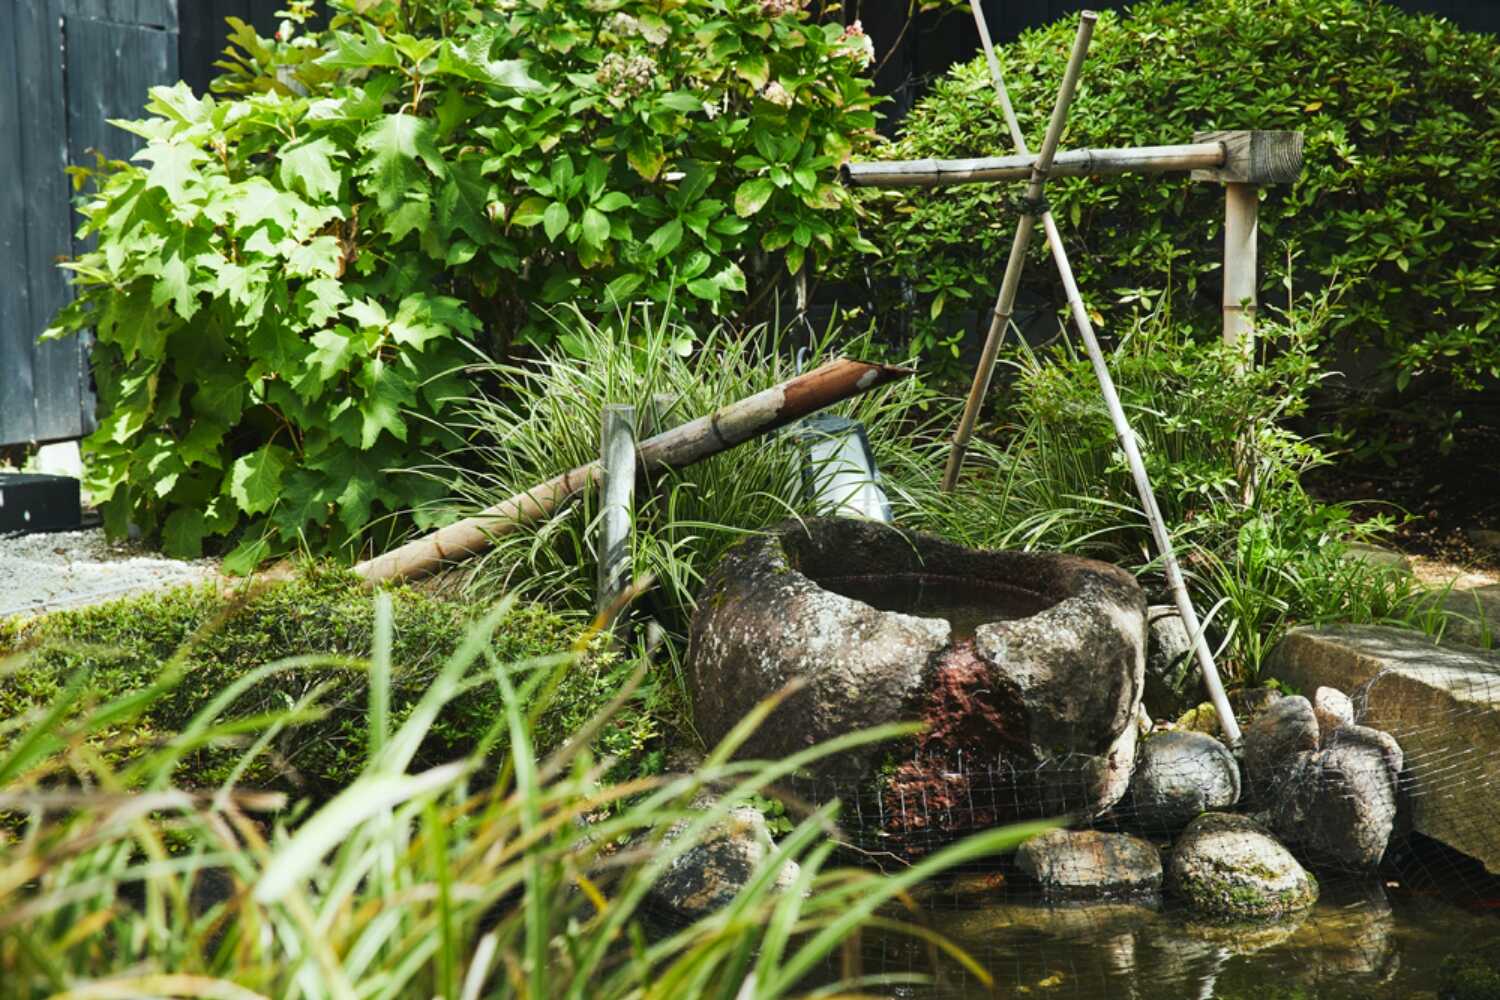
[458, 880]
[290, 278]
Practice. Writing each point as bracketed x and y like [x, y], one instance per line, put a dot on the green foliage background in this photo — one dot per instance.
[288, 282]
[1396, 202]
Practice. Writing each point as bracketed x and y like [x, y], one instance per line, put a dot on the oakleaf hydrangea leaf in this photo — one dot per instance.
[255, 479]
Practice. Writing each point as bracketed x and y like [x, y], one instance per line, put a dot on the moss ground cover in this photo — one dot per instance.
[326, 620]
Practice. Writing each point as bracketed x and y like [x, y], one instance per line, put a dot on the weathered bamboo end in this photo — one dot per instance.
[1254, 157]
[681, 446]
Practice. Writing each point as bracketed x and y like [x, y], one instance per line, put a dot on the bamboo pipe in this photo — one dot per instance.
[1069, 163]
[1006, 302]
[683, 445]
[1123, 432]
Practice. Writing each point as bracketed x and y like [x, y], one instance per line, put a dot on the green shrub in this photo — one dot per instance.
[283, 288]
[118, 648]
[1402, 120]
[1052, 476]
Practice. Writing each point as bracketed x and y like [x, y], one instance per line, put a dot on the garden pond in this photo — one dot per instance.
[1364, 940]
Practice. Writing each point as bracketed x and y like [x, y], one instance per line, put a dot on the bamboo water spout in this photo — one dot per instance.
[681, 446]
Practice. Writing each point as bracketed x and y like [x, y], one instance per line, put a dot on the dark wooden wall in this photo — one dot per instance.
[66, 68]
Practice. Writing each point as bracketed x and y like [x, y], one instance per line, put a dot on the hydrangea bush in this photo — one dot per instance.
[289, 279]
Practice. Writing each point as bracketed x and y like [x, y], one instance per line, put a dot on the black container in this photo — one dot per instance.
[30, 503]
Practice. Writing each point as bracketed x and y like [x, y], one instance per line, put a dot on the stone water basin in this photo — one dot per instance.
[1028, 666]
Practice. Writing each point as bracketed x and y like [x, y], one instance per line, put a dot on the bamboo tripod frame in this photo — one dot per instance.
[1248, 162]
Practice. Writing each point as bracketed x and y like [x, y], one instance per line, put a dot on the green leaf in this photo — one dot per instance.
[666, 238]
[423, 318]
[704, 288]
[309, 166]
[555, 219]
[595, 227]
[754, 69]
[462, 205]
[472, 61]
[333, 350]
[255, 479]
[350, 51]
[613, 201]
[618, 291]
[175, 284]
[247, 556]
[530, 211]
[386, 392]
[320, 257]
[182, 534]
[394, 145]
[679, 101]
[173, 167]
[368, 313]
[646, 157]
[752, 196]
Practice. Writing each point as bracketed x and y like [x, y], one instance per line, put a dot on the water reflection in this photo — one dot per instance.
[1359, 942]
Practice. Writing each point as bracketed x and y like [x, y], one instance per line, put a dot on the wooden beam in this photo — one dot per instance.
[1241, 228]
[1254, 157]
[1207, 155]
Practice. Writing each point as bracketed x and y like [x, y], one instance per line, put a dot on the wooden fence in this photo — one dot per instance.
[66, 68]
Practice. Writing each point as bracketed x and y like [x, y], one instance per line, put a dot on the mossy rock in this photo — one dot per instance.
[1471, 975]
[1229, 866]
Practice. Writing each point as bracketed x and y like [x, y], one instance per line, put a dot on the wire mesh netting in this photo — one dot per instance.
[1371, 823]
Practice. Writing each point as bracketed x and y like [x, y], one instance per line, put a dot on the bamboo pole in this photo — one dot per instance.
[683, 445]
[617, 490]
[1123, 431]
[1069, 163]
[1241, 222]
[1006, 302]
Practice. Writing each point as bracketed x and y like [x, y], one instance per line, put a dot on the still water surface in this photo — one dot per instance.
[1361, 942]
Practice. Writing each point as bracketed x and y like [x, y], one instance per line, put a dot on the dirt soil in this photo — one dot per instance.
[1447, 505]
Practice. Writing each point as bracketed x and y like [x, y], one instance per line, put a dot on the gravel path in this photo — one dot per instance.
[43, 572]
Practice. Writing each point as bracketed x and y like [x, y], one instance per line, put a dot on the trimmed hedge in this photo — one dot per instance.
[1397, 199]
[122, 646]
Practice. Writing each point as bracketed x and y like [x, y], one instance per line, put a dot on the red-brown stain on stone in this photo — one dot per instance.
[960, 776]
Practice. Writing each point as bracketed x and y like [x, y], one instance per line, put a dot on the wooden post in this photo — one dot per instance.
[1252, 159]
[1241, 226]
[617, 496]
